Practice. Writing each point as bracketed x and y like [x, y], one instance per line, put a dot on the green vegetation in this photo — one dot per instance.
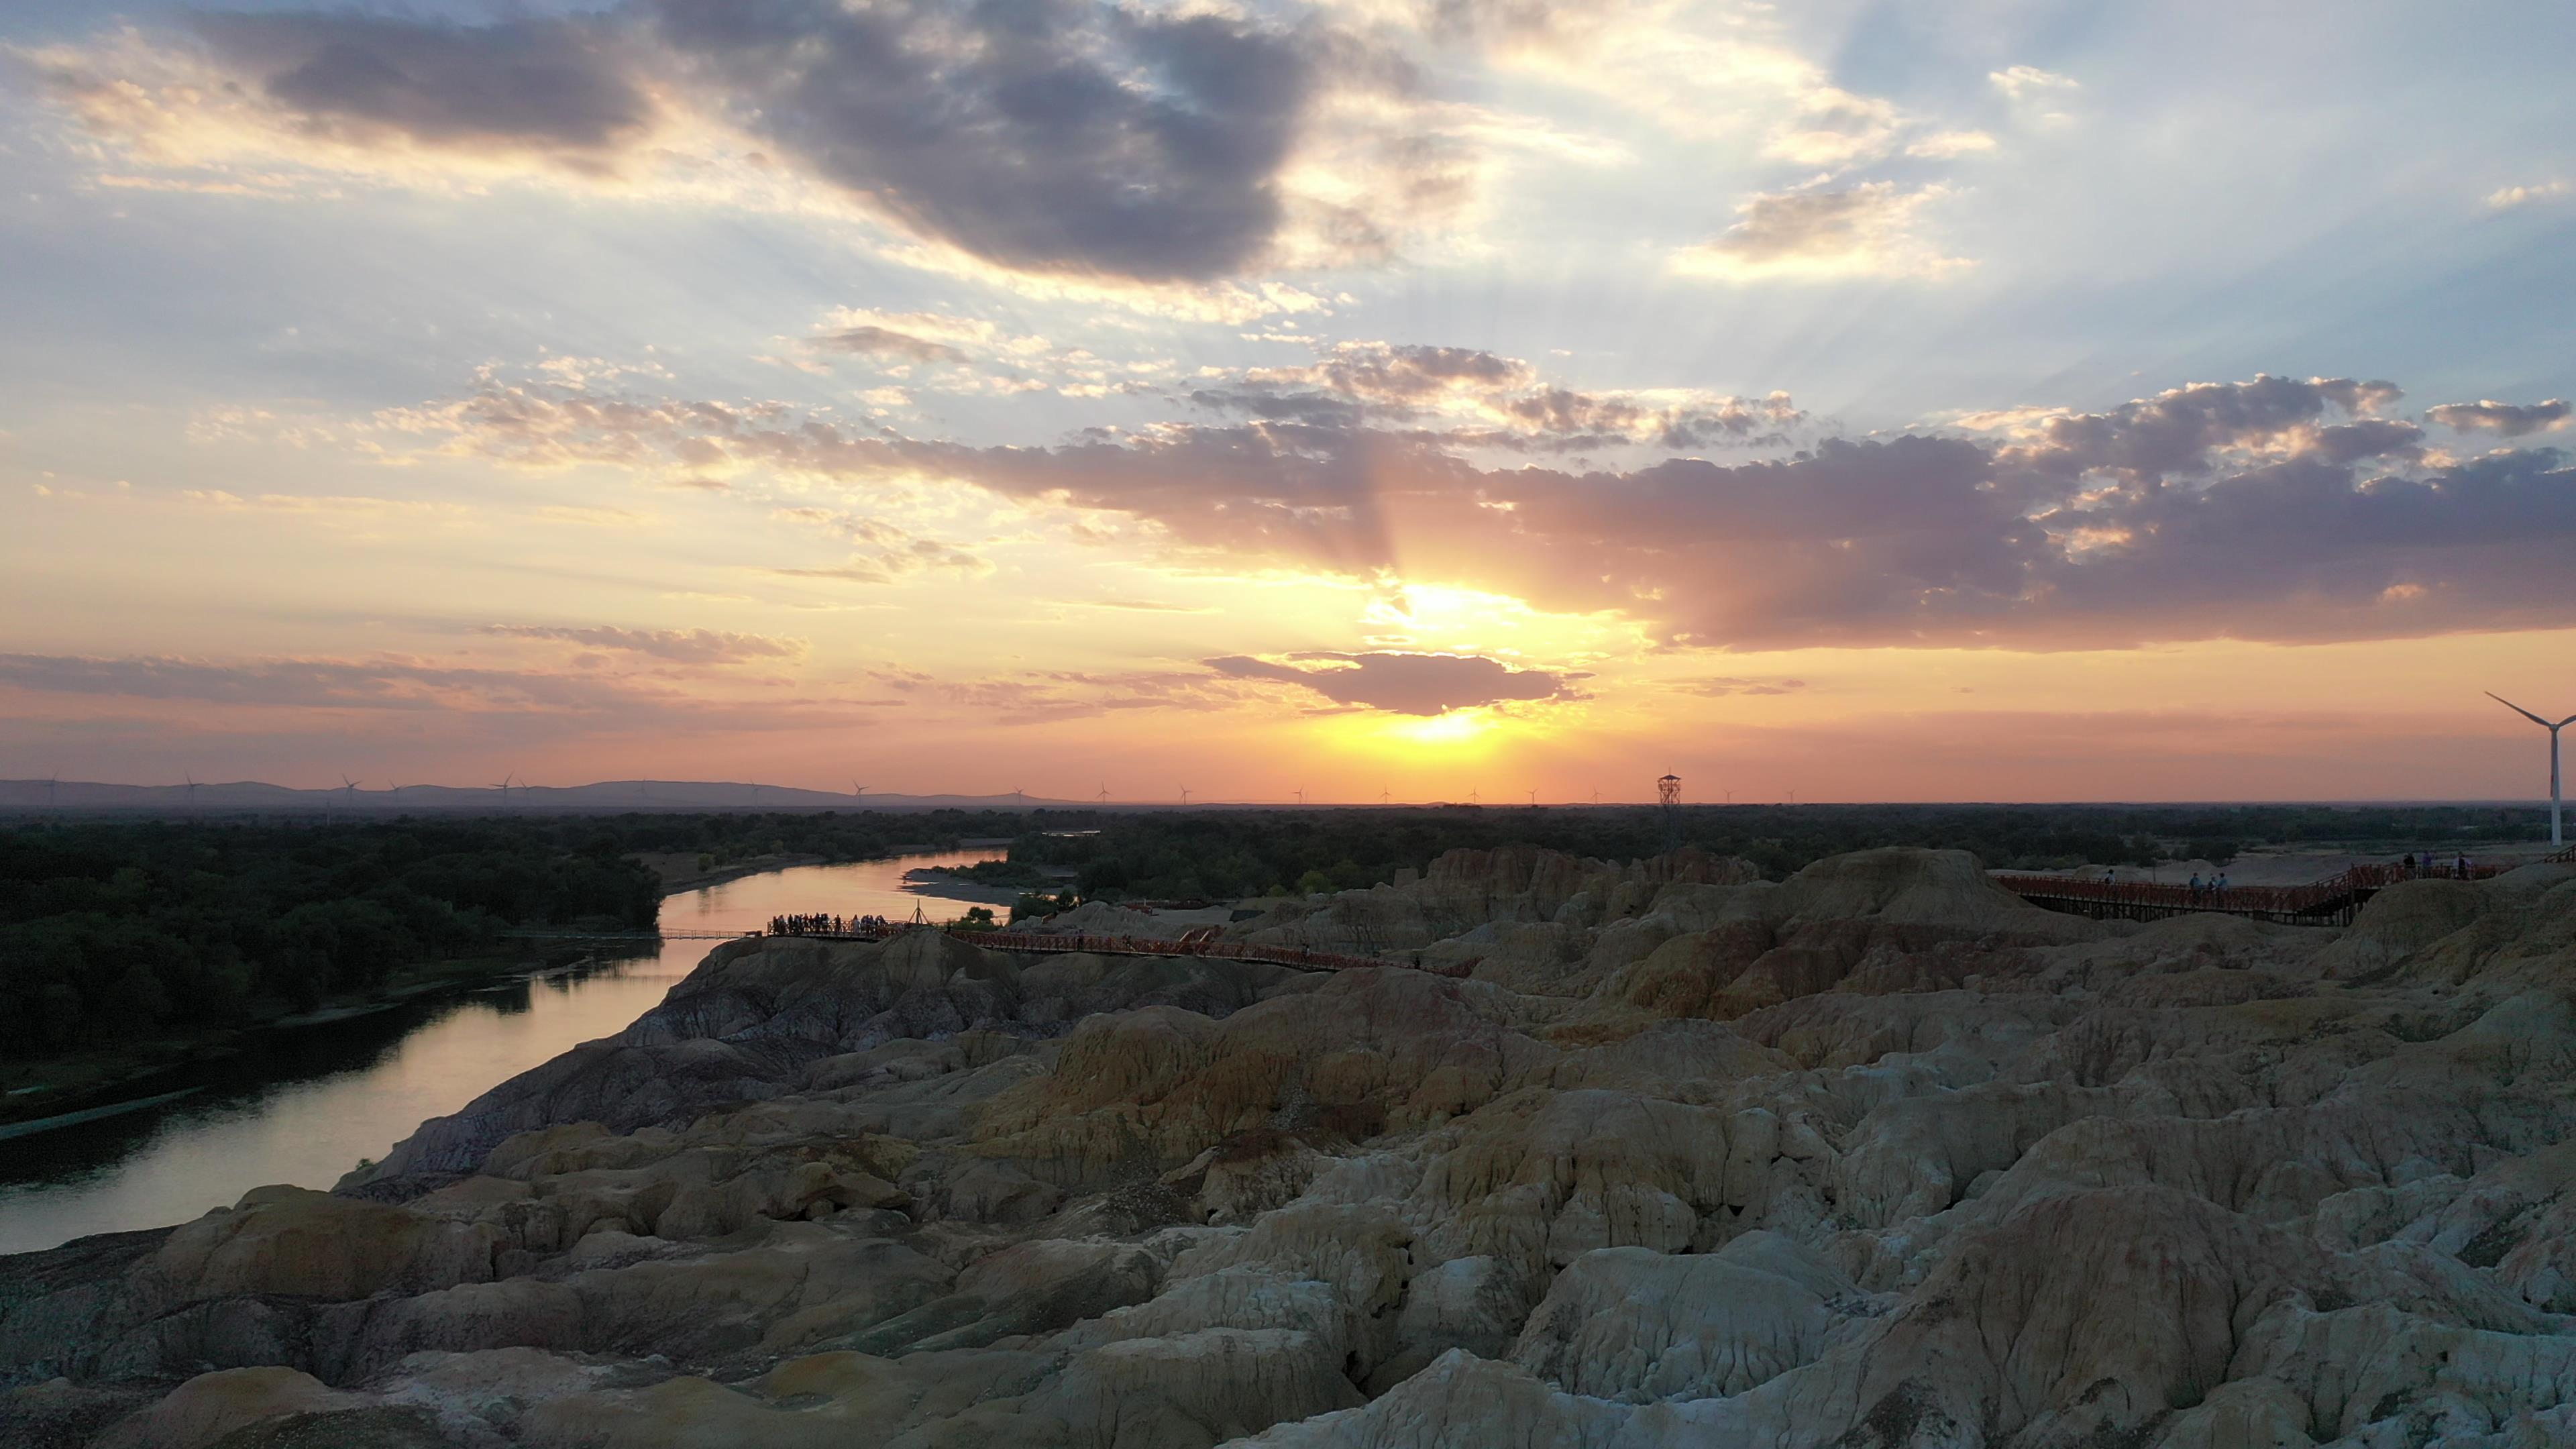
[1218, 854]
[1038, 903]
[111, 931]
[721, 839]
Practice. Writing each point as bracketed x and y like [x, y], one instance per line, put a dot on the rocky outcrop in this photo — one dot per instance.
[1873, 1158]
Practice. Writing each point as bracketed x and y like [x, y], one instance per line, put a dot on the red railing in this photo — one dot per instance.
[2334, 895]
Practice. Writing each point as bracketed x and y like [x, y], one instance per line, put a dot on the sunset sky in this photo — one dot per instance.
[1930, 399]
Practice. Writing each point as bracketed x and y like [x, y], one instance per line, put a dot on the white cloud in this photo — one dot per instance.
[1948, 145]
[1819, 231]
[2507, 197]
[2020, 81]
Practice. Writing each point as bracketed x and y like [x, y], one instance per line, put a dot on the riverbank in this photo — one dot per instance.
[81, 1085]
[941, 882]
[678, 871]
[958, 881]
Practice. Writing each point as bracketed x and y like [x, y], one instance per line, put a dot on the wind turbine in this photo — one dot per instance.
[1104, 792]
[1385, 797]
[52, 778]
[2557, 834]
[504, 788]
[858, 791]
[1533, 794]
[1301, 796]
[1185, 794]
[192, 791]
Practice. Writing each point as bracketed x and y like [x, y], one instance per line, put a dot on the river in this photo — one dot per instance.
[303, 1106]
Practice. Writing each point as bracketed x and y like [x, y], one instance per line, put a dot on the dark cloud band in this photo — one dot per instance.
[2274, 509]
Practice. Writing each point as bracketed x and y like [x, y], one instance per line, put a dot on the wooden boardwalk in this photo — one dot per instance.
[2333, 901]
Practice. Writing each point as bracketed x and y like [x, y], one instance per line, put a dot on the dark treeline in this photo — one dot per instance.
[110, 930]
[1219, 853]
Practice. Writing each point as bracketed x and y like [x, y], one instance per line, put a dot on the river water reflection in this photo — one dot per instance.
[306, 1105]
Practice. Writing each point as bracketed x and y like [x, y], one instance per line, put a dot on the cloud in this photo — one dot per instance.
[948, 352]
[397, 703]
[555, 87]
[2020, 81]
[1947, 145]
[1102, 145]
[2506, 197]
[1050, 135]
[898, 553]
[1038, 697]
[1860, 230]
[1066, 162]
[845, 573]
[2275, 508]
[375, 684]
[1833, 127]
[1479, 399]
[2188, 431]
[2507, 419]
[687, 646]
[327, 506]
[1419, 684]
[876, 341]
[1723, 686]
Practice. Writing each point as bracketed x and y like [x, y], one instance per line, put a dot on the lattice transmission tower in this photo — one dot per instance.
[1669, 791]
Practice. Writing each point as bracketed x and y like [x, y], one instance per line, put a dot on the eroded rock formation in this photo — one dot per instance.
[1878, 1156]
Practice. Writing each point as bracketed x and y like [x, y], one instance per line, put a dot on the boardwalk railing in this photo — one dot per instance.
[2332, 901]
[1198, 943]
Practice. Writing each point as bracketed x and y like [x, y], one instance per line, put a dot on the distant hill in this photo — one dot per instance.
[22, 798]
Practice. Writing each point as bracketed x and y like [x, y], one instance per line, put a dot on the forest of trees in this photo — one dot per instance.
[111, 930]
[114, 929]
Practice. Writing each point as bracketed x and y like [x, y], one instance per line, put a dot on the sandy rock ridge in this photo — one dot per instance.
[1876, 1156]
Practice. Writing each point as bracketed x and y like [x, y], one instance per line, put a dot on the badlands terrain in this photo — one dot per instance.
[1878, 1156]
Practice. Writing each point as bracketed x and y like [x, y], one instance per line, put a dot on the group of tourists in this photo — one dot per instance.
[2431, 869]
[827, 925]
[2210, 892]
